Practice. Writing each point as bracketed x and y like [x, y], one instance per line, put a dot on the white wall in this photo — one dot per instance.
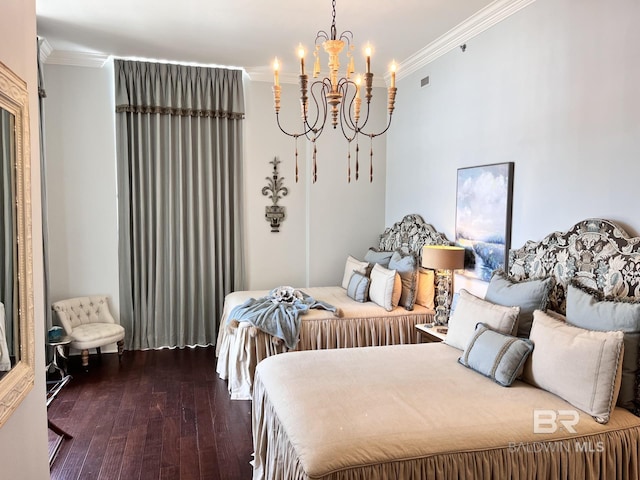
[81, 182]
[284, 251]
[23, 438]
[326, 221]
[553, 88]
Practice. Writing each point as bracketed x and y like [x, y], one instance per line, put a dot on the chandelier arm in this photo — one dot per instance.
[345, 116]
[390, 108]
[348, 132]
[313, 126]
[347, 36]
[322, 36]
[294, 135]
[324, 85]
[373, 135]
[363, 124]
[343, 87]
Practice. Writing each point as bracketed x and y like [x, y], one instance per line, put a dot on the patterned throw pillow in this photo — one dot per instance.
[496, 355]
[358, 287]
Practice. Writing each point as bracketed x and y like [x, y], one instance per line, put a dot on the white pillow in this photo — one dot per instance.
[353, 264]
[426, 288]
[385, 288]
[472, 310]
[581, 366]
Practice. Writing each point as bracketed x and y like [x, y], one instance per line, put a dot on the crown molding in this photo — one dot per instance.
[483, 20]
[76, 59]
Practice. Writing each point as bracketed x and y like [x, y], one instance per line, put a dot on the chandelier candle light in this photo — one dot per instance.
[341, 96]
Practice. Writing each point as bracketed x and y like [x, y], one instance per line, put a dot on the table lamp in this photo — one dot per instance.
[443, 259]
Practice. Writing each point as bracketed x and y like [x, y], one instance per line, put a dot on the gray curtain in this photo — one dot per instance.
[179, 147]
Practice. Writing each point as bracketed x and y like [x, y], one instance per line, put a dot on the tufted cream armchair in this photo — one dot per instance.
[90, 323]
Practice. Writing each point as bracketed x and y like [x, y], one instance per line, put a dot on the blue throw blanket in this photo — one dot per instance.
[278, 313]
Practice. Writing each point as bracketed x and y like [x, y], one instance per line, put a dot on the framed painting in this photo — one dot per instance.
[483, 217]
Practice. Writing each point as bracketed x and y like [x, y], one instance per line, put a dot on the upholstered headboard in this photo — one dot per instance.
[596, 252]
[411, 233]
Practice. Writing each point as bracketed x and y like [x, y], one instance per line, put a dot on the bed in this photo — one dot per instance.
[241, 347]
[416, 411]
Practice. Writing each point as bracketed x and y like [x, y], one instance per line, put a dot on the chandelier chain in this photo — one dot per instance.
[334, 31]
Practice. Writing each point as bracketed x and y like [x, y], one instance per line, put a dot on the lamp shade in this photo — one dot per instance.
[442, 257]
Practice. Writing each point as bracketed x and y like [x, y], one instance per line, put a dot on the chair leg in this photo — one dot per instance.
[85, 358]
[120, 349]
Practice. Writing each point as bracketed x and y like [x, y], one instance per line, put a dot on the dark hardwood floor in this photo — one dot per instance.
[159, 414]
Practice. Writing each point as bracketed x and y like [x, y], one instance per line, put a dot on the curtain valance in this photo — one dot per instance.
[170, 89]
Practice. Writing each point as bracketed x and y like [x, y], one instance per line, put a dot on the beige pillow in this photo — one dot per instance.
[581, 366]
[352, 264]
[385, 288]
[472, 310]
[588, 308]
[426, 288]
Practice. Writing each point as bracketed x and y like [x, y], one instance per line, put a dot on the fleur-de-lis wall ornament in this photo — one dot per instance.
[274, 214]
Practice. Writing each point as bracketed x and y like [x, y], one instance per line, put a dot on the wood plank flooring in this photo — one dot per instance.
[160, 414]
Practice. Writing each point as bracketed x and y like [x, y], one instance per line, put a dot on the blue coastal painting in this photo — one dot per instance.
[483, 217]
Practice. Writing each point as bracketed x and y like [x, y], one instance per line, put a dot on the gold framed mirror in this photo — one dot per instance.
[16, 266]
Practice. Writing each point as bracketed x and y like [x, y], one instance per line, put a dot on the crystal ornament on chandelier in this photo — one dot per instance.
[339, 96]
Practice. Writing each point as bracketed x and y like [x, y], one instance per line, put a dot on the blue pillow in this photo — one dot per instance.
[358, 287]
[529, 295]
[496, 355]
[378, 256]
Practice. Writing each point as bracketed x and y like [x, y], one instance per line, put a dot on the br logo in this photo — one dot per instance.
[549, 421]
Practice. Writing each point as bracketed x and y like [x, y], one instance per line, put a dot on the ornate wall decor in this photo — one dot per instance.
[274, 214]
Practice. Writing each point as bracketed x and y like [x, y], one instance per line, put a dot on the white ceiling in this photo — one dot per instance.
[246, 33]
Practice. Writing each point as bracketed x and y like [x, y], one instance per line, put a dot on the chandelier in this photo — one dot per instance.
[339, 96]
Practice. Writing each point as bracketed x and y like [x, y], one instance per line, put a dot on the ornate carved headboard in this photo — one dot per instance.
[596, 252]
[411, 233]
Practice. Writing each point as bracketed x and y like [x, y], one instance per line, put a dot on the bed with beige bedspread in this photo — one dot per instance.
[442, 411]
[240, 346]
[413, 411]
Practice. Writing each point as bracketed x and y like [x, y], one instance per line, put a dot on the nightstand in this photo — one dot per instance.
[428, 333]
